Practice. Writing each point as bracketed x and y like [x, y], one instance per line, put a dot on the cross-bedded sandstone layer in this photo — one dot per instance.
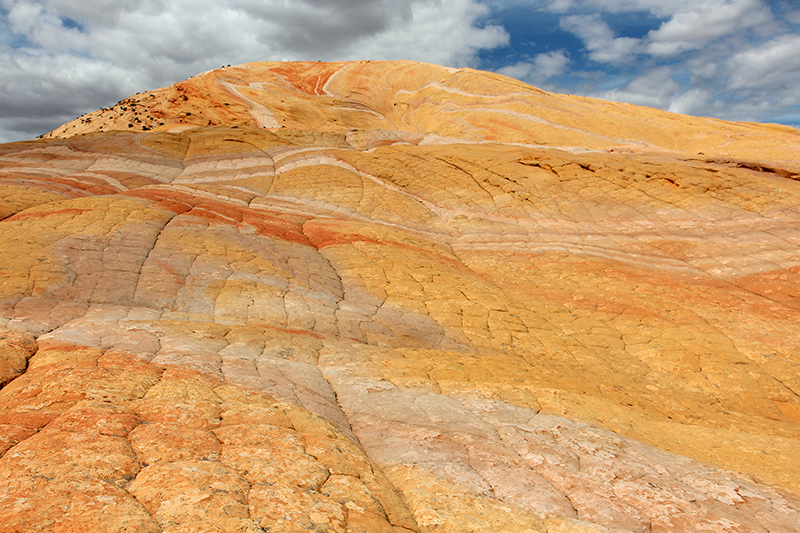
[396, 297]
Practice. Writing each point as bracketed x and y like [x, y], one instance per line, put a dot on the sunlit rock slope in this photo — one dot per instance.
[394, 297]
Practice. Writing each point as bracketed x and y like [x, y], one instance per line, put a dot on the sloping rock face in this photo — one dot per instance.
[393, 297]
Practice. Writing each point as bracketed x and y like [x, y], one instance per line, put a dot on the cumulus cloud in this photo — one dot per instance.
[428, 35]
[691, 28]
[659, 7]
[599, 39]
[791, 12]
[695, 101]
[653, 88]
[61, 58]
[540, 70]
[775, 63]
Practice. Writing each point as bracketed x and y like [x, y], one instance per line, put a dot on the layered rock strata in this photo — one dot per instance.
[396, 297]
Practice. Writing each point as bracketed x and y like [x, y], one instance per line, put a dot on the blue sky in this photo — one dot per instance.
[731, 59]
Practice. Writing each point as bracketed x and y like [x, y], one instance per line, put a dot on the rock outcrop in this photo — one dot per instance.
[394, 297]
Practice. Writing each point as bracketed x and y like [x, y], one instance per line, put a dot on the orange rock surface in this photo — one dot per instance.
[373, 296]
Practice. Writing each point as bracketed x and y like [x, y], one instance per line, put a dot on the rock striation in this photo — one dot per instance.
[395, 297]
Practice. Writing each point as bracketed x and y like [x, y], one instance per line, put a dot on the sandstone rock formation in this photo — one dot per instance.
[394, 297]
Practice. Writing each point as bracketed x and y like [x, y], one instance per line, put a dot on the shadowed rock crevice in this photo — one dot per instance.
[15, 350]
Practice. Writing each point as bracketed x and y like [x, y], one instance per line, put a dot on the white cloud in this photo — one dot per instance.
[653, 87]
[538, 72]
[791, 12]
[696, 101]
[599, 39]
[41, 90]
[775, 63]
[428, 35]
[661, 8]
[551, 64]
[693, 27]
[72, 56]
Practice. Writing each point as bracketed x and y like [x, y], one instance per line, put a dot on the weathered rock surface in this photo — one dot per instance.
[368, 297]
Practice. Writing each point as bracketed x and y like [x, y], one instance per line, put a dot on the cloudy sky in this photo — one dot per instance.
[732, 59]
